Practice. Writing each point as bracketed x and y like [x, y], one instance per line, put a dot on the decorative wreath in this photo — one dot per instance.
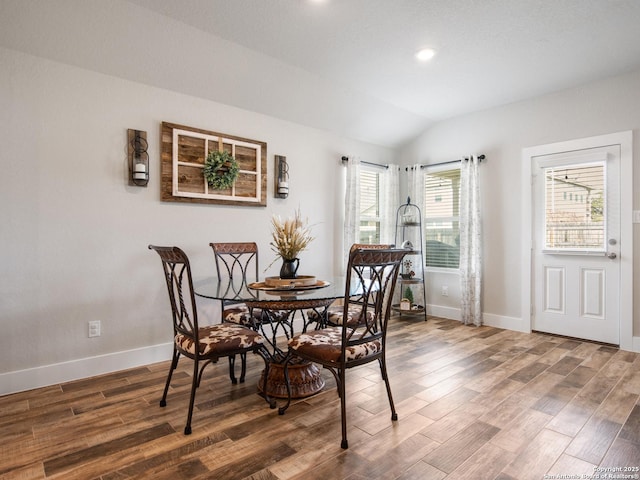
[220, 170]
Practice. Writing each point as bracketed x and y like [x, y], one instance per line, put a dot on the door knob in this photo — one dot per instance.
[611, 255]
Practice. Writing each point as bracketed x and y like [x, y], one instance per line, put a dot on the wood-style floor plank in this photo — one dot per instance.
[473, 403]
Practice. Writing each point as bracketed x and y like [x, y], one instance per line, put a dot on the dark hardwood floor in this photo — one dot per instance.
[473, 403]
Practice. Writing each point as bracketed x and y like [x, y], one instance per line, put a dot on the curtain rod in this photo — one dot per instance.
[345, 159]
[480, 158]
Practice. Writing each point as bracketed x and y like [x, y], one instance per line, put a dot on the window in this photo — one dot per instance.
[442, 218]
[574, 207]
[369, 230]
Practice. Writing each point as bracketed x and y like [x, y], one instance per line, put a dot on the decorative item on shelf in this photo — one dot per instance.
[138, 158]
[407, 273]
[220, 170]
[289, 238]
[405, 304]
[408, 294]
[407, 245]
[282, 177]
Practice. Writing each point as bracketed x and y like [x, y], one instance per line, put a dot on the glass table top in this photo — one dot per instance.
[226, 289]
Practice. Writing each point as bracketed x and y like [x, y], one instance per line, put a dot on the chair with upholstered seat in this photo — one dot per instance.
[337, 348]
[202, 344]
[239, 261]
[335, 313]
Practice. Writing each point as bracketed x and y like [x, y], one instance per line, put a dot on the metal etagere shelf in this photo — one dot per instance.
[410, 297]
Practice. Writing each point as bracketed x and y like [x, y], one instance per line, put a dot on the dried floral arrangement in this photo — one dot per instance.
[290, 237]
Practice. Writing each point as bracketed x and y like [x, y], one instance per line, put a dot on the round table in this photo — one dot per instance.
[305, 378]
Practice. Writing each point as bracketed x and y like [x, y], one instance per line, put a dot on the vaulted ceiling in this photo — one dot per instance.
[343, 65]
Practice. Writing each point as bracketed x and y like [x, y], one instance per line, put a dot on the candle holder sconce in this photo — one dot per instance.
[138, 158]
[282, 177]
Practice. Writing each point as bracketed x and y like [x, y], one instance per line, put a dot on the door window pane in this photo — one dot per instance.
[575, 207]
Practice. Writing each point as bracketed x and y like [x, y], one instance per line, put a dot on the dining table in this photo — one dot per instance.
[286, 308]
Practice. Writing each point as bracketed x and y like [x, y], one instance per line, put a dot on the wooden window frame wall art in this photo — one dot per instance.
[184, 151]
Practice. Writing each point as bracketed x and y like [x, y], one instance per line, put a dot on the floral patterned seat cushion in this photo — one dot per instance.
[325, 345]
[220, 339]
[335, 314]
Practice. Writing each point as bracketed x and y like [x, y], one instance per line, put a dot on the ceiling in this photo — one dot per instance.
[489, 52]
[348, 66]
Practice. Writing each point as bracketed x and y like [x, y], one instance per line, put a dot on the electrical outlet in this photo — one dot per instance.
[445, 291]
[636, 216]
[94, 328]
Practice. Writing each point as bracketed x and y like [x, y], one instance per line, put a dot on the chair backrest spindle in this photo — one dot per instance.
[236, 260]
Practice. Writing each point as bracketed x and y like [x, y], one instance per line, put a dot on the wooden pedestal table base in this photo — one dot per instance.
[304, 377]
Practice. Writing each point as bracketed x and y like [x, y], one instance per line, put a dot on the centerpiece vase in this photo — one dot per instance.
[289, 268]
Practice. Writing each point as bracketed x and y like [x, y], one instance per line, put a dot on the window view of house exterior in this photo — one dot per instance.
[369, 207]
[575, 207]
[441, 211]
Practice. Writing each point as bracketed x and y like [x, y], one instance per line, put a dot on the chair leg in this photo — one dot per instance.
[287, 382]
[382, 369]
[243, 371]
[194, 386]
[343, 408]
[385, 376]
[232, 369]
[174, 365]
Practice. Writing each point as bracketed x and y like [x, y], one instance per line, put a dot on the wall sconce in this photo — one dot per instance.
[282, 177]
[138, 158]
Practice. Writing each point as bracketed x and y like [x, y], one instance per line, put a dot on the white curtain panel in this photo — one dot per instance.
[389, 203]
[470, 243]
[416, 186]
[351, 207]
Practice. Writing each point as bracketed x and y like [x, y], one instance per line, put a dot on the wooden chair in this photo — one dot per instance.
[338, 348]
[335, 314]
[204, 344]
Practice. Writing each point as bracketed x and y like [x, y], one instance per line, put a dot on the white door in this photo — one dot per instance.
[576, 243]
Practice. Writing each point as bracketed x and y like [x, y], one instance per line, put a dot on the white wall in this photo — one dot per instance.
[74, 235]
[599, 108]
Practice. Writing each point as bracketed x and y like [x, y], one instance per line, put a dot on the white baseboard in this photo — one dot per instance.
[489, 319]
[499, 321]
[508, 323]
[28, 379]
[443, 312]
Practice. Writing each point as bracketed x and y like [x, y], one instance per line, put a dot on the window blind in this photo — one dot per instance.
[442, 211]
[369, 207]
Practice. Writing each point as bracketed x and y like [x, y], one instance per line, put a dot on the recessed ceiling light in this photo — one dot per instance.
[425, 54]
